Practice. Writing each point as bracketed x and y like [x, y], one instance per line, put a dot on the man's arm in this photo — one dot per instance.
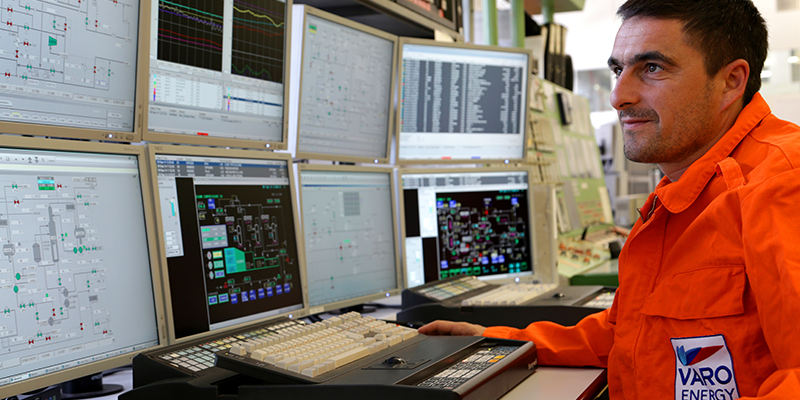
[585, 344]
[770, 223]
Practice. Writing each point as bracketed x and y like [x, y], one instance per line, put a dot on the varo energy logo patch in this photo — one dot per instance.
[703, 369]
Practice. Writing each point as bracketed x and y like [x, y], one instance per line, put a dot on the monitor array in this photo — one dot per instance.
[189, 225]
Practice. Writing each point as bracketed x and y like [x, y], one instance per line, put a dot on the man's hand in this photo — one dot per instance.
[437, 328]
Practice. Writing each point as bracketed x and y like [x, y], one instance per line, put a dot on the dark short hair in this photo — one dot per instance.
[722, 30]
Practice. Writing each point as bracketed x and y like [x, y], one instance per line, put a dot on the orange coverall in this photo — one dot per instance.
[708, 305]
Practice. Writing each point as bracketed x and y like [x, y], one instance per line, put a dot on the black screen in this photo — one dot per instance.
[238, 260]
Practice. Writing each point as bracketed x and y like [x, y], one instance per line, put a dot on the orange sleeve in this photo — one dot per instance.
[770, 224]
[585, 344]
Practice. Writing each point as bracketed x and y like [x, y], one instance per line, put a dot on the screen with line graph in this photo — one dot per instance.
[257, 49]
[217, 72]
[229, 239]
[190, 41]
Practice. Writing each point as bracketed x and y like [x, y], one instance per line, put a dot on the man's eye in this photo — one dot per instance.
[654, 68]
[616, 71]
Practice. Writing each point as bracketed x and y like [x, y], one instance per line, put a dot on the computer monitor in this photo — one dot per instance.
[344, 92]
[69, 69]
[216, 72]
[228, 237]
[487, 222]
[461, 102]
[351, 249]
[79, 293]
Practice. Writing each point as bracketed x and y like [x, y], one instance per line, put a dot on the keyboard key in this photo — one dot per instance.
[349, 356]
[238, 350]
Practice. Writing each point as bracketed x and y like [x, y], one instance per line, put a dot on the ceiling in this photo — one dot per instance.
[369, 15]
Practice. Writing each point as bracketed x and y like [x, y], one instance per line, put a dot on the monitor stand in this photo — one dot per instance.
[88, 387]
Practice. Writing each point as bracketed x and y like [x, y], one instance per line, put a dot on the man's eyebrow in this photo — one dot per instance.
[643, 57]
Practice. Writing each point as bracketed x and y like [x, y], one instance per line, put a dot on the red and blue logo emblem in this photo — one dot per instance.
[696, 355]
[704, 369]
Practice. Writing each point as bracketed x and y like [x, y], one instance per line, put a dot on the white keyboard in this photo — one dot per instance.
[315, 349]
[510, 294]
[603, 300]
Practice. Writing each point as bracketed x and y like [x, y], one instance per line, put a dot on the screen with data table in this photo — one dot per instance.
[217, 71]
[466, 223]
[349, 228]
[347, 76]
[49, 76]
[229, 239]
[461, 102]
[78, 291]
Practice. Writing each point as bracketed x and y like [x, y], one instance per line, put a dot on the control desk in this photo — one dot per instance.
[549, 382]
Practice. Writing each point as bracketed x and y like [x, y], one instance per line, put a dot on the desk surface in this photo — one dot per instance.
[552, 383]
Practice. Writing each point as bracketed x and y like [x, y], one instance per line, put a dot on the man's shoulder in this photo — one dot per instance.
[771, 148]
[783, 136]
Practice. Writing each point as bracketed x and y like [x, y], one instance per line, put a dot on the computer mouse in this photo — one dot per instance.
[394, 360]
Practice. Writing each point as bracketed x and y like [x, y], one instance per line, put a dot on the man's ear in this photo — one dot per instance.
[734, 78]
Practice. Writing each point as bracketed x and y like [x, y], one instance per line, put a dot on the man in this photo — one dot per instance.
[709, 300]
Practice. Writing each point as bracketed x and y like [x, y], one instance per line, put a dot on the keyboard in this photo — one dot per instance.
[411, 366]
[200, 356]
[313, 351]
[512, 294]
[461, 372]
[197, 358]
[602, 300]
[470, 291]
[465, 298]
[452, 287]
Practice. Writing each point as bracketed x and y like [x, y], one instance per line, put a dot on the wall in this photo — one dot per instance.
[591, 33]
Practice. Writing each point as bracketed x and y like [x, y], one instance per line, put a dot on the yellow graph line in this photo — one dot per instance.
[258, 16]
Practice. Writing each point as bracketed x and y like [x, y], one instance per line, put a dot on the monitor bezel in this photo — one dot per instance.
[158, 149]
[149, 222]
[541, 271]
[399, 276]
[69, 132]
[143, 100]
[524, 104]
[392, 110]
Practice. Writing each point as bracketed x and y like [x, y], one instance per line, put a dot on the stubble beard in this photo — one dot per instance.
[687, 137]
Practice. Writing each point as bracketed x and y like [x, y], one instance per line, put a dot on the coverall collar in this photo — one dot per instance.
[678, 196]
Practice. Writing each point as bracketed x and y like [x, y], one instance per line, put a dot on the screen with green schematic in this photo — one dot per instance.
[230, 240]
[466, 223]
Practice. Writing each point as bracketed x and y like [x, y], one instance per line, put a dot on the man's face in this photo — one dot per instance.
[666, 102]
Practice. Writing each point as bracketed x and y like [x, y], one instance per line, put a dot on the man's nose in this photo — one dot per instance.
[626, 91]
